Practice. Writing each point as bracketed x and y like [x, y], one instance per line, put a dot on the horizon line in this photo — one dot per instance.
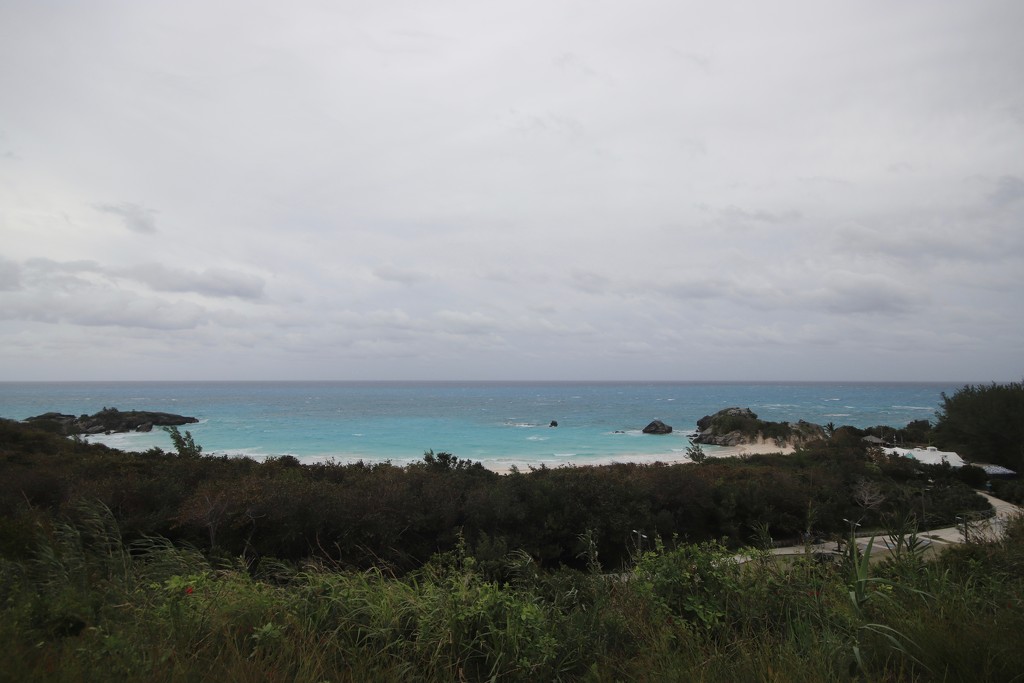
[501, 381]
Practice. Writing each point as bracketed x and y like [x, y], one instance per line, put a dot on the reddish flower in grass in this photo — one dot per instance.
[188, 591]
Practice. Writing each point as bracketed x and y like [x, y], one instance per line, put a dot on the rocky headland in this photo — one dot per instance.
[108, 421]
[741, 426]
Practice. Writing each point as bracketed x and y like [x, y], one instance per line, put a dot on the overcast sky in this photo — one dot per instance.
[512, 190]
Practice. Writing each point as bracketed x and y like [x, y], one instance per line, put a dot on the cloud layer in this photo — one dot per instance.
[529, 190]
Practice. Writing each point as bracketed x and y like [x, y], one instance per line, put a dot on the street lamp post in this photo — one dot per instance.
[925, 488]
[853, 526]
[640, 538]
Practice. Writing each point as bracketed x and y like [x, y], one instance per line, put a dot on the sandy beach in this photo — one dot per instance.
[646, 458]
[749, 449]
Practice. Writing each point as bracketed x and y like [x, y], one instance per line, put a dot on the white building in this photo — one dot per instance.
[928, 456]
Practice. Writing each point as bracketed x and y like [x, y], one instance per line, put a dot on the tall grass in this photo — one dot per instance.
[86, 606]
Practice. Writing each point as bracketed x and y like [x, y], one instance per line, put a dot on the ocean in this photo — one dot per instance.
[500, 424]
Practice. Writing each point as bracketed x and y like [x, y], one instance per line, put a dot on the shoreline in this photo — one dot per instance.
[668, 459]
[501, 464]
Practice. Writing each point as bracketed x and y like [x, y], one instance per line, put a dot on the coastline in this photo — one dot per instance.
[502, 464]
[762, 448]
[496, 424]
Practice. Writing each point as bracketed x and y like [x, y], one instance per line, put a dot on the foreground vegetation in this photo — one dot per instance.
[396, 518]
[179, 566]
[85, 606]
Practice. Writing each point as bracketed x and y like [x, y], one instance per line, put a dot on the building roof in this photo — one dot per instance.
[929, 456]
[997, 471]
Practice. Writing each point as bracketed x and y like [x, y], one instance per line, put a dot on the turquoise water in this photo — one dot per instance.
[497, 423]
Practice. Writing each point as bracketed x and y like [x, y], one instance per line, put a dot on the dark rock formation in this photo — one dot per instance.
[554, 423]
[740, 426]
[737, 414]
[804, 431]
[734, 438]
[108, 420]
[657, 427]
[728, 427]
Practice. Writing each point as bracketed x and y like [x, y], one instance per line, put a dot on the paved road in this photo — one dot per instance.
[977, 530]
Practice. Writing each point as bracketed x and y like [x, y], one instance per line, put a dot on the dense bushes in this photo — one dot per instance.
[985, 424]
[1009, 490]
[86, 606]
[361, 515]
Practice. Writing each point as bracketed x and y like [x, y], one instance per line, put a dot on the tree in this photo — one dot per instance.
[868, 494]
[445, 462]
[696, 454]
[184, 445]
[984, 423]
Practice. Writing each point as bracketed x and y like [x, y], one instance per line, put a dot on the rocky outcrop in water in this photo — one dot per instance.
[657, 427]
[108, 420]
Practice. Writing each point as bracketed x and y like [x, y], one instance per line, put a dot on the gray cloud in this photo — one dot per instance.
[590, 282]
[875, 295]
[5, 151]
[10, 275]
[900, 167]
[136, 218]
[130, 311]
[102, 307]
[702, 62]
[523, 189]
[549, 124]
[1009, 189]
[212, 282]
[577, 65]
[472, 323]
[761, 216]
[402, 276]
[923, 237]
[708, 287]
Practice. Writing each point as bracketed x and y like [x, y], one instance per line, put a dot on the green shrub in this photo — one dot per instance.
[972, 475]
[691, 581]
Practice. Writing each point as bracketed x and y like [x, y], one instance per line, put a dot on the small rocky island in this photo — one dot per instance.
[108, 421]
[657, 427]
